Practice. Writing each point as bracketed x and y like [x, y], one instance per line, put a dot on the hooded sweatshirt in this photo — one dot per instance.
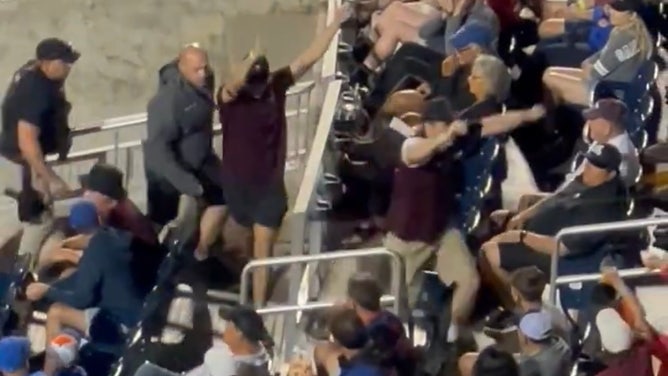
[180, 130]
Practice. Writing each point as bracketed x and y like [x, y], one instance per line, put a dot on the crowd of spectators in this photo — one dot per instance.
[442, 79]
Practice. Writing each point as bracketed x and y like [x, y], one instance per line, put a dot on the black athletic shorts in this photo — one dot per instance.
[517, 255]
[251, 204]
[163, 198]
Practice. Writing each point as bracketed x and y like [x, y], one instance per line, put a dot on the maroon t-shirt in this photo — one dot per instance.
[422, 201]
[127, 216]
[255, 134]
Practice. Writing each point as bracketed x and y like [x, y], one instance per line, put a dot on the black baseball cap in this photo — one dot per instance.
[56, 49]
[105, 179]
[604, 156]
[624, 5]
[439, 109]
[248, 322]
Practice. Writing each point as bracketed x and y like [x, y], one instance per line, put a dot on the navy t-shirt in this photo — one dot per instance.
[34, 98]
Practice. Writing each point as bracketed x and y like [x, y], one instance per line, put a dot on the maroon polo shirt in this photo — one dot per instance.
[255, 134]
[422, 201]
[127, 216]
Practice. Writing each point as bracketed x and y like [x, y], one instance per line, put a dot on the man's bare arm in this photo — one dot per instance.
[31, 151]
[319, 46]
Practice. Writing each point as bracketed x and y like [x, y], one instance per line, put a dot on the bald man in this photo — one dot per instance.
[179, 159]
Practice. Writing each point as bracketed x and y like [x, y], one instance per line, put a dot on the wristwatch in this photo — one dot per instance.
[523, 234]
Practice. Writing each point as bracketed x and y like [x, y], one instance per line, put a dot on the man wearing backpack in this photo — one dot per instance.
[34, 125]
[178, 154]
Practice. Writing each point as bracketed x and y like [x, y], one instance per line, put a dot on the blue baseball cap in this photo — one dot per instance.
[536, 326]
[473, 32]
[83, 217]
[14, 353]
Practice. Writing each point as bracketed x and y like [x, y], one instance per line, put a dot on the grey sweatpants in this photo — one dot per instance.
[34, 233]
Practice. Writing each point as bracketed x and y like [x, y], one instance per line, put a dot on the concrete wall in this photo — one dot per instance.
[124, 42]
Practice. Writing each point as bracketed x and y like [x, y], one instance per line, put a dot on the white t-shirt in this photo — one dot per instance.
[630, 166]
[219, 361]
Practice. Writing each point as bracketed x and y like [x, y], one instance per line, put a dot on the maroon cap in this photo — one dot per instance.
[610, 109]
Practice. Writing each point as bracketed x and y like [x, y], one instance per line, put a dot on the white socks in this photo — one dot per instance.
[453, 333]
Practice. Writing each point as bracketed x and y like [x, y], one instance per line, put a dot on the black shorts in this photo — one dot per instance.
[251, 204]
[163, 198]
[517, 255]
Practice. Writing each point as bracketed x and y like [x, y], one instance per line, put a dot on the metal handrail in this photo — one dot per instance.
[397, 266]
[623, 273]
[307, 186]
[115, 124]
[315, 306]
[594, 228]
[217, 130]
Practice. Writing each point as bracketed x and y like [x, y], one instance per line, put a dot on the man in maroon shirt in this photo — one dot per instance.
[104, 187]
[252, 111]
[422, 209]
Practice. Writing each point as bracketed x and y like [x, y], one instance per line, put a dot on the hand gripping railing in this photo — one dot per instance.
[397, 270]
[587, 229]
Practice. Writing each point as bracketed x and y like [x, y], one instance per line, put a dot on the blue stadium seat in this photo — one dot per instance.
[622, 251]
[477, 182]
[636, 94]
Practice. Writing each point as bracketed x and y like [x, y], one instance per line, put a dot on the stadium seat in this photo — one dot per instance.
[477, 182]
[638, 96]
[623, 251]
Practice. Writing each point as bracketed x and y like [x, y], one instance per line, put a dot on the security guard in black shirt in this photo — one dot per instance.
[182, 170]
[34, 125]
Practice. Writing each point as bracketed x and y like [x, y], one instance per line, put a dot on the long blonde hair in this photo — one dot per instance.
[636, 26]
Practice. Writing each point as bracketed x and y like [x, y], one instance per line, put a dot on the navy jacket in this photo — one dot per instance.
[104, 279]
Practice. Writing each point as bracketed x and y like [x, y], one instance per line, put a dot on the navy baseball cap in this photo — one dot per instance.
[536, 326]
[56, 49]
[473, 33]
[610, 109]
[83, 217]
[624, 5]
[604, 156]
[14, 354]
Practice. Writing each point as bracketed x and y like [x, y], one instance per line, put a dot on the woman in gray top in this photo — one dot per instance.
[629, 46]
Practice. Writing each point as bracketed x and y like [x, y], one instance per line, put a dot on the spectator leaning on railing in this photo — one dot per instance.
[34, 125]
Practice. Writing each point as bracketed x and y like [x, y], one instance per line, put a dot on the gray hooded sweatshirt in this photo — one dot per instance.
[180, 130]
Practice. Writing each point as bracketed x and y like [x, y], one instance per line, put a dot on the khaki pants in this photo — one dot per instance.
[34, 233]
[454, 261]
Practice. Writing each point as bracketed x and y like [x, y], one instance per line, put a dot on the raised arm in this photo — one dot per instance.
[504, 123]
[163, 131]
[319, 46]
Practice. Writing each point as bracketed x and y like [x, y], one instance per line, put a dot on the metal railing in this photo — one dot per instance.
[590, 229]
[397, 269]
[124, 154]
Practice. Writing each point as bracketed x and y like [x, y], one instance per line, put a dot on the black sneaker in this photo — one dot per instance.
[500, 322]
